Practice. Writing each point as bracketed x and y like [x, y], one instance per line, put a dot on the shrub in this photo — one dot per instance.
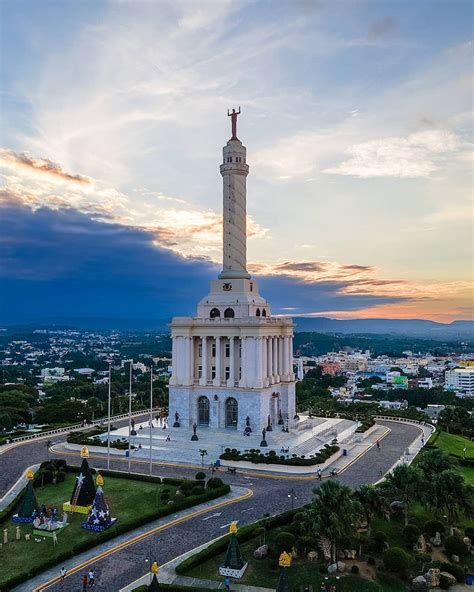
[379, 537]
[355, 570]
[197, 490]
[285, 541]
[423, 557]
[187, 485]
[455, 546]
[469, 532]
[200, 476]
[396, 560]
[411, 532]
[214, 483]
[443, 582]
[432, 527]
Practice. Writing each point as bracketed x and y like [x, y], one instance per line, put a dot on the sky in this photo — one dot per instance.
[356, 115]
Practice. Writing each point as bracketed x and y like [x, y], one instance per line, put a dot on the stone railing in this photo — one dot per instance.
[78, 426]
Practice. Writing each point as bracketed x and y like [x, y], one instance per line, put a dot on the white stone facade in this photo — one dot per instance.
[233, 360]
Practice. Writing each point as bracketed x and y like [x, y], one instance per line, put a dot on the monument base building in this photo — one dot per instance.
[232, 364]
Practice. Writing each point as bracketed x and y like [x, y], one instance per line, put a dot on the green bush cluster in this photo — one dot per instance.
[432, 527]
[455, 546]
[254, 455]
[396, 560]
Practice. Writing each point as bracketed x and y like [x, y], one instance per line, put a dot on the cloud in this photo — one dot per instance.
[417, 155]
[42, 166]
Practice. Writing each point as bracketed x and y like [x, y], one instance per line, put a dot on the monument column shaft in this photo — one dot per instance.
[234, 172]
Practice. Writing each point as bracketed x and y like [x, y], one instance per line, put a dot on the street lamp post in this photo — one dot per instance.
[151, 417]
[292, 496]
[109, 403]
[203, 453]
[130, 419]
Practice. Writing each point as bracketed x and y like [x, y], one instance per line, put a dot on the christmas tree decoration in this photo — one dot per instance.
[233, 565]
[99, 518]
[154, 587]
[29, 504]
[84, 489]
[283, 581]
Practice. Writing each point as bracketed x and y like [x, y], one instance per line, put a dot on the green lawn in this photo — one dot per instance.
[127, 500]
[455, 444]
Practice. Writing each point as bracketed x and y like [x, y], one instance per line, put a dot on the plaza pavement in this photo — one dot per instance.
[271, 495]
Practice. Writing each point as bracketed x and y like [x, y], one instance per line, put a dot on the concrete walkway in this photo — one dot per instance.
[76, 563]
[16, 488]
[167, 575]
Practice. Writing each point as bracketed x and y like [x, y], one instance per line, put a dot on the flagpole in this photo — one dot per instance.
[108, 414]
[130, 420]
[151, 416]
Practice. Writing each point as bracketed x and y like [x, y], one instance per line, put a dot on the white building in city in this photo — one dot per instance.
[233, 360]
[460, 380]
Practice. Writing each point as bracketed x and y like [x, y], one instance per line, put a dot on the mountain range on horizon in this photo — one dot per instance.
[422, 328]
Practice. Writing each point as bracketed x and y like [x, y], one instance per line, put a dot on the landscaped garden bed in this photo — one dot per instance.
[255, 455]
[133, 499]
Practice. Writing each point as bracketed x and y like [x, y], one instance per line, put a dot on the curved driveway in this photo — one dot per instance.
[271, 495]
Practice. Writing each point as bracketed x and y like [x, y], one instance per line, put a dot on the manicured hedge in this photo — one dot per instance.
[243, 534]
[254, 455]
[122, 475]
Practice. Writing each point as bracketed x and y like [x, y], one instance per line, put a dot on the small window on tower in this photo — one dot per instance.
[264, 313]
[251, 286]
[213, 350]
[227, 350]
[227, 372]
[200, 350]
[213, 372]
[199, 371]
[257, 313]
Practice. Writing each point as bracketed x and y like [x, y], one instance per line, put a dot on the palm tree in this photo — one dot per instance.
[372, 502]
[451, 495]
[94, 404]
[331, 514]
[405, 481]
[435, 461]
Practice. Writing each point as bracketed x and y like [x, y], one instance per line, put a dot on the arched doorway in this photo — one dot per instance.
[215, 313]
[231, 413]
[229, 313]
[203, 411]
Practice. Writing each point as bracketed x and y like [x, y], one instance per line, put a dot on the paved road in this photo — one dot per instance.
[270, 496]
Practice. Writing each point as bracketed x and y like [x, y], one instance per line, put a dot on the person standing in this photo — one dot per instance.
[378, 445]
[227, 583]
[62, 573]
[84, 583]
[91, 578]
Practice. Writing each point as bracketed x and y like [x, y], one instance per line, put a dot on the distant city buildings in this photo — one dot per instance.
[460, 380]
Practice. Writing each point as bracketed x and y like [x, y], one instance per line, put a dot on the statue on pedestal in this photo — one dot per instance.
[263, 443]
[176, 420]
[248, 429]
[269, 425]
[280, 418]
[194, 436]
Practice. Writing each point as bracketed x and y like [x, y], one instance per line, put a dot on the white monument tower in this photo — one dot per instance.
[232, 362]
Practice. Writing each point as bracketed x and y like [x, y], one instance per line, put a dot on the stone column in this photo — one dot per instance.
[265, 361]
[187, 362]
[203, 379]
[270, 359]
[217, 379]
[286, 358]
[258, 378]
[275, 360]
[243, 361]
[231, 380]
[174, 361]
[280, 356]
[292, 374]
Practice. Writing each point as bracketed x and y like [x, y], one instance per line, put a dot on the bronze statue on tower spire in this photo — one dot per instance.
[233, 117]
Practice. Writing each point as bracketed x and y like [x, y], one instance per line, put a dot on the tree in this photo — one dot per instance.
[396, 560]
[435, 461]
[452, 495]
[94, 404]
[405, 482]
[373, 503]
[332, 514]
